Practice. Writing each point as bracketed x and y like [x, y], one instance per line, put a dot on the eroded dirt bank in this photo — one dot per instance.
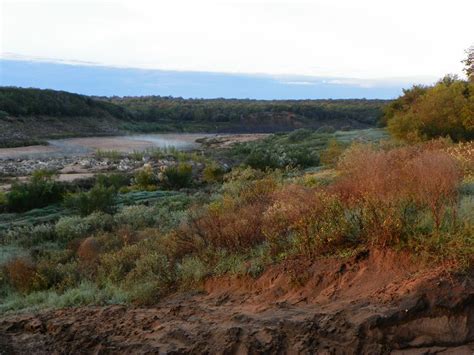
[375, 303]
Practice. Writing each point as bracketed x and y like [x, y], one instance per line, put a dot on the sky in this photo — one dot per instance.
[345, 43]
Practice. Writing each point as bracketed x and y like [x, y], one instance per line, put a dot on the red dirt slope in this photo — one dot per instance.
[375, 303]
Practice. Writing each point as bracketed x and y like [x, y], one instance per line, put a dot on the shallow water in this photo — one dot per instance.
[88, 145]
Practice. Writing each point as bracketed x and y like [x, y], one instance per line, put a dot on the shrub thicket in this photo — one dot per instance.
[40, 191]
[97, 199]
[179, 176]
[422, 113]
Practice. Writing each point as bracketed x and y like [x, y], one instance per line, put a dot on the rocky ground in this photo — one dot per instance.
[373, 304]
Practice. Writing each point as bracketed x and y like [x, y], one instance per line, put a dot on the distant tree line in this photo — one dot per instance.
[152, 108]
[30, 102]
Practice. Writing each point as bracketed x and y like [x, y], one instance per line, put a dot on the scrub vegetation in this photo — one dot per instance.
[234, 211]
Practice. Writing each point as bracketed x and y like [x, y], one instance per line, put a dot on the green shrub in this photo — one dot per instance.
[28, 236]
[114, 266]
[213, 173]
[100, 221]
[99, 198]
[191, 272]
[230, 264]
[116, 181]
[179, 176]
[144, 178]
[423, 113]
[331, 154]
[280, 156]
[3, 200]
[40, 191]
[152, 277]
[68, 228]
[299, 134]
[137, 217]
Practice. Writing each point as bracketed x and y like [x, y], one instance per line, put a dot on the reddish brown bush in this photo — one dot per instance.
[89, 250]
[432, 180]
[22, 275]
[233, 227]
[381, 186]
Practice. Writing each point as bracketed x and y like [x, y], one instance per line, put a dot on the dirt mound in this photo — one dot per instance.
[374, 303]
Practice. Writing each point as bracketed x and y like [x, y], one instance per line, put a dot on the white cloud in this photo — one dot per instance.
[343, 38]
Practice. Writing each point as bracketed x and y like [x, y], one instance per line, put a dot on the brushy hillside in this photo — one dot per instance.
[136, 239]
[28, 116]
[251, 115]
[30, 102]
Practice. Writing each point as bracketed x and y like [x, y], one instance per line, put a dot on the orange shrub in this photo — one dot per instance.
[22, 275]
[229, 226]
[384, 187]
[432, 180]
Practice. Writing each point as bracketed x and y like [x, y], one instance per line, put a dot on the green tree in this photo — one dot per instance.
[469, 63]
[445, 109]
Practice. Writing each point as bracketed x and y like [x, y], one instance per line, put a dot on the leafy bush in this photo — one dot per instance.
[387, 190]
[74, 227]
[331, 154]
[137, 217]
[191, 272]
[422, 113]
[116, 181]
[23, 276]
[145, 179]
[68, 228]
[299, 135]
[152, 276]
[179, 176]
[213, 173]
[313, 221]
[40, 191]
[99, 198]
[3, 200]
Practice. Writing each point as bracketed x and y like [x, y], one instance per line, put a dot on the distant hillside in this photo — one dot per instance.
[31, 115]
[28, 102]
[249, 115]
[28, 116]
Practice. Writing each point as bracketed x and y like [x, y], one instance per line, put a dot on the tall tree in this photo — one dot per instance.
[469, 63]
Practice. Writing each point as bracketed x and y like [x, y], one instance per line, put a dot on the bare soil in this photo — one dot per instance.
[374, 303]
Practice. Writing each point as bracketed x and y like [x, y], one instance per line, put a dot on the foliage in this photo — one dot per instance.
[137, 217]
[213, 173]
[179, 176]
[68, 228]
[24, 102]
[331, 154]
[145, 178]
[445, 109]
[281, 151]
[113, 155]
[225, 111]
[116, 181]
[99, 198]
[417, 198]
[469, 63]
[40, 191]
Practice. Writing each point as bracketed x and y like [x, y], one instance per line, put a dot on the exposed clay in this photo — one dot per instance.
[372, 304]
